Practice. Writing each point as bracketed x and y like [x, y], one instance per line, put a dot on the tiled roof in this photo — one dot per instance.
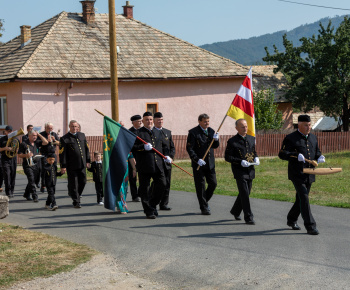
[269, 79]
[65, 47]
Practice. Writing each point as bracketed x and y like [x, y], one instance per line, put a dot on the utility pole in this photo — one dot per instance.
[113, 60]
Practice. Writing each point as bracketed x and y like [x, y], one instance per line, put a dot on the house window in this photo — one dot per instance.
[3, 111]
[152, 107]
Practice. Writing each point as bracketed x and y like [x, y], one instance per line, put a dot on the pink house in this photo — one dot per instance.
[59, 71]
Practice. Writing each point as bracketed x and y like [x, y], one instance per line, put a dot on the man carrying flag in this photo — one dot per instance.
[240, 150]
[150, 165]
[117, 145]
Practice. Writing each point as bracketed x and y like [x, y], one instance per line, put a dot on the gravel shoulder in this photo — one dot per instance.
[101, 272]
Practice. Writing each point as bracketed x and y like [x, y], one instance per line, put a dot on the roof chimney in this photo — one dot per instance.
[128, 10]
[88, 11]
[26, 35]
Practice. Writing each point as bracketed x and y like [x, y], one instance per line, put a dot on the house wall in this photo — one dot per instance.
[13, 93]
[287, 110]
[180, 102]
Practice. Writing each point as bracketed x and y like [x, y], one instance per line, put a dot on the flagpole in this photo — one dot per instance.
[155, 150]
[212, 141]
[113, 60]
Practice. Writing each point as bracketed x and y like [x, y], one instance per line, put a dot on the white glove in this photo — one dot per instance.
[201, 162]
[168, 160]
[321, 159]
[216, 137]
[301, 158]
[148, 146]
[257, 161]
[245, 163]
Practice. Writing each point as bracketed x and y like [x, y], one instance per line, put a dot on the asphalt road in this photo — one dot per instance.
[183, 249]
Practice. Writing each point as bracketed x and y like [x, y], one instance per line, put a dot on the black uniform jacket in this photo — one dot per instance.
[51, 173]
[296, 143]
[23, 147]
[198, 143]
[239, 149]
[49, 148]
[74, 151]
[96, 169]
[168, 140]
[148, 161]
[3, 142]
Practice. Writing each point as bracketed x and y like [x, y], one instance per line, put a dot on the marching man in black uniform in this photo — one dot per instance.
[150, 165]
[27, 150]
[136, 124]
[50, 147]
[9, 165]
[198, 141]
[240, 152]
[74, 158]
[168, 140]
[296, 147]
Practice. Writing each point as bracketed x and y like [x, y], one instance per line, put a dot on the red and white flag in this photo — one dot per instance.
[242, 106]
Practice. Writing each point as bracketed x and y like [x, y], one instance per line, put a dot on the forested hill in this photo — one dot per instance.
[251, 51]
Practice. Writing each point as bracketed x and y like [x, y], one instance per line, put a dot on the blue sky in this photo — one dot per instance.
[196, 21]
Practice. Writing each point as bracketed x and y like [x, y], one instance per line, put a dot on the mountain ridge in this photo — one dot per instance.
[250, 51]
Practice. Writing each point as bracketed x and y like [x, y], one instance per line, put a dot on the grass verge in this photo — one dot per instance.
[271, 181]
[25, 255]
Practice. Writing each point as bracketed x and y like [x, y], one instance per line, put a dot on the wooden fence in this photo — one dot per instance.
[266, 144]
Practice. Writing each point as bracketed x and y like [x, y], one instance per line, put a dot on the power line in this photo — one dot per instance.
[319, 6]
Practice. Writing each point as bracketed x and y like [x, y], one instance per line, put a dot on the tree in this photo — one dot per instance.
[1, 29]
[318, 72]
[267, 116]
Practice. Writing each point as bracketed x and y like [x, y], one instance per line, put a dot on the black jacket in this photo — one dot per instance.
[23, 147]
[96, 169]
[197, 145]
[239, 149]
[74, 151]
[292, 145]
[148, 161]
[50, 175]
[168, 140]
[49, 148]
[4, 158]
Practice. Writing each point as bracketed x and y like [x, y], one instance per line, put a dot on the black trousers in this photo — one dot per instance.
[132, 183]
[164, 201]
[1, 176]
[76, 184]
[51, 200]
[150, 199]
[242, 201]
[99, 191]
[32, 173]
[9, 172]
[302, 206]
[204, 195]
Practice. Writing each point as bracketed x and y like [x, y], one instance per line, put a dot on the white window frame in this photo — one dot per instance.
[3, 99]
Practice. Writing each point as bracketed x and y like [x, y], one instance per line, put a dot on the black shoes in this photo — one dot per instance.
[206, 212]
[27, 197]
[136, 199]
[164, 207]
[151, 216]
[294, 226]
[237, 217]
[77, 205]
[313, 232]
[35, 199]
[252, 222]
